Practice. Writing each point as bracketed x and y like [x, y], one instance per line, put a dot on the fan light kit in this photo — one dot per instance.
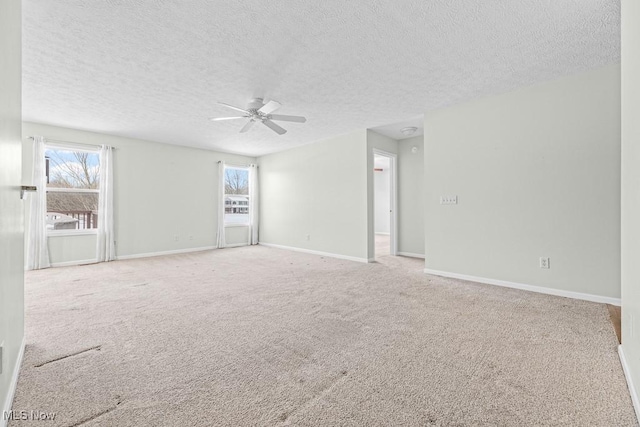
[410, 130]
[258, 111]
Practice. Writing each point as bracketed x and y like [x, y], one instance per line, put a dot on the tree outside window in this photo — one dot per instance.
[236, 195]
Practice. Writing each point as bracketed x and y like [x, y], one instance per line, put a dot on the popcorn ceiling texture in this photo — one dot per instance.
[155, 69]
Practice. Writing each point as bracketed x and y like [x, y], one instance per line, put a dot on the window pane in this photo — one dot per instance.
[71, 211]
[236, 199]
[236, 181]
[72, 169]
[236, 209]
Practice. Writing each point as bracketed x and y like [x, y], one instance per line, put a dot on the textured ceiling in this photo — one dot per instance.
[394, 130]
[154, 69]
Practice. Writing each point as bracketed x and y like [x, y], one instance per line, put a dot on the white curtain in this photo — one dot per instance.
[106, 239]
[37, 250]
[221, 236]
[253, 205]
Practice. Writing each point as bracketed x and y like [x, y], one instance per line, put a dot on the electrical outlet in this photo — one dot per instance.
[190, 236]
[544, 262]
[308, 236]
[448, 200]
[176, 237]
[1, 359]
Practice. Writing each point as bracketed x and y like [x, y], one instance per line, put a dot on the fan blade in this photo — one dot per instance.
[235, 108]
[297, 119]
[247, 126]
[269, 107]
[217, 119]
[274, 127]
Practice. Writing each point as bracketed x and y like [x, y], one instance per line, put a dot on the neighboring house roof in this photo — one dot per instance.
[237, 198]
[67, 202]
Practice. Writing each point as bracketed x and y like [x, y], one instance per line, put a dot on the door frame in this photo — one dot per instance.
[393, 202]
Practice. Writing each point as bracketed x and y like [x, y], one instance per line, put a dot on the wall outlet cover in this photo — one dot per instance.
[448, 200]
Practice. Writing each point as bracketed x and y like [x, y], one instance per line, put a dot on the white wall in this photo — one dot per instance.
[537, 174]
[236, 236]
[410, 196]
[631, 188]
[382, 200]
[11, 209]
[71, 250]
[160, 191]
[322, 196]
[320, 191]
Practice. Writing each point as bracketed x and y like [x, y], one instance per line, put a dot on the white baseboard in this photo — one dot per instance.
[627, 375]
[383, 233]
[70, 263]
[309, 251]
[146, 255]
[6, 407]
[174, 252]
[236, 245]
[411, 255]
[531, 288]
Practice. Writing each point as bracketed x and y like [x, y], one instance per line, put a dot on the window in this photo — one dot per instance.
[72, 188]
[236, 195]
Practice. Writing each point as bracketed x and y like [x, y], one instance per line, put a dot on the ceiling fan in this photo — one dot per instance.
[258, 111]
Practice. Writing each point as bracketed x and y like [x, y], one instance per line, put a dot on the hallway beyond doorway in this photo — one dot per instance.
[383, 245]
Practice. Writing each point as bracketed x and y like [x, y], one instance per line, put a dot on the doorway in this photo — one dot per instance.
[384, 203]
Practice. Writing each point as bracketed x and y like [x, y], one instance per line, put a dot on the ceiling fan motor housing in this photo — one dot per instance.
[253, 106]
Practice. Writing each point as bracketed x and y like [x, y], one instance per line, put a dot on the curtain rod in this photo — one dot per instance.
[71, 142]
[237, 165]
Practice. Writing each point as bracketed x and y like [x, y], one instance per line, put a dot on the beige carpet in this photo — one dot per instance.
[258, 336]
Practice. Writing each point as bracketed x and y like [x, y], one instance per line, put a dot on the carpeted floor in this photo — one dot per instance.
[258, 336]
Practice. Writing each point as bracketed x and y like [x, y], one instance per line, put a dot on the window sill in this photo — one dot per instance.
[236, 225]
[60, 233]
